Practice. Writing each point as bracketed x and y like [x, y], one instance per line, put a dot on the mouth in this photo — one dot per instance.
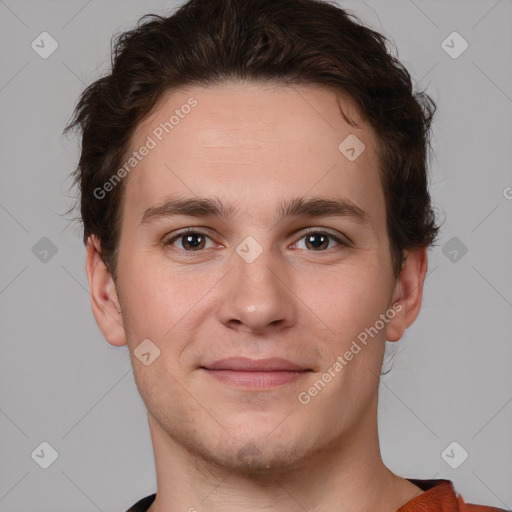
[255, 373]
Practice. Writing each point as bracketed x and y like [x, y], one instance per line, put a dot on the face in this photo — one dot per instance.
[259, 299]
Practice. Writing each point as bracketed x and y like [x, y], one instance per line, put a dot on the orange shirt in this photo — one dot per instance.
[440, 496]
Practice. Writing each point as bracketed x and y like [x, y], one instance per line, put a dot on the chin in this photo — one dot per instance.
[250, 444]
[254, 455]
[255, 459]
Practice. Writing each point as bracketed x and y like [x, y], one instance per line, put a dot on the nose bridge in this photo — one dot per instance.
[253, 258]
[255, 292]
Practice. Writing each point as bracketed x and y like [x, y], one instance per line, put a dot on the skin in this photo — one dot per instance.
[218, 447]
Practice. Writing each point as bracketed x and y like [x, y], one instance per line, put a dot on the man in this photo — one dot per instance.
[254, 195]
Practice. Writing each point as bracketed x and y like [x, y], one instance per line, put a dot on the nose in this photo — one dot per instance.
[258, 296]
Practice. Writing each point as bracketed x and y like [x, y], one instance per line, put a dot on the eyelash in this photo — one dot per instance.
[168, 242]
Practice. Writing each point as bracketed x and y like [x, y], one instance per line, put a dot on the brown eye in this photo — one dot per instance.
[193, 240]
[320, 241]
[189, 241]
[317, 241]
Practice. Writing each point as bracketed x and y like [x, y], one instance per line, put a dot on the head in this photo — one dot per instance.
[231, 118]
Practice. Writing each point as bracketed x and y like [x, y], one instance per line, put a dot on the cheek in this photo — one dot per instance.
[347, 300]
[160, 300]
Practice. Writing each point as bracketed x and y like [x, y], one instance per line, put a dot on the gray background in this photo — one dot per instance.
[60, 382]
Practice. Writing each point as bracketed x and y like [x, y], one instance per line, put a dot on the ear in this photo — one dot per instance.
[408, 292]
[104, 300]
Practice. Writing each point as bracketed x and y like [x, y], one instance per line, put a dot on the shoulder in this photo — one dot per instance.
[441, 496]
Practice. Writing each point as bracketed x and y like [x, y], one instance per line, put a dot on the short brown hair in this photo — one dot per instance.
[209, 42]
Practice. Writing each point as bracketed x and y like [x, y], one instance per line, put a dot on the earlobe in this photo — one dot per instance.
[408, 292]
[103, 295]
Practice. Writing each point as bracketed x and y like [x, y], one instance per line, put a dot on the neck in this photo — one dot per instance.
[348, 475]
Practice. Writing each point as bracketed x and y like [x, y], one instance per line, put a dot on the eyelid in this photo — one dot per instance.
[340, 238]
[175, 236]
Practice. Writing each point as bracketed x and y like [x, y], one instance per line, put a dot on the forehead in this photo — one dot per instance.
[241, 114]
[254, 144]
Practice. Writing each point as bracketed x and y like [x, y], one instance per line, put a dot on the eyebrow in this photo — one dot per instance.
[295, 207]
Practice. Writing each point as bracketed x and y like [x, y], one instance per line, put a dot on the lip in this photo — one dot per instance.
[254, 365]
[255, 373]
